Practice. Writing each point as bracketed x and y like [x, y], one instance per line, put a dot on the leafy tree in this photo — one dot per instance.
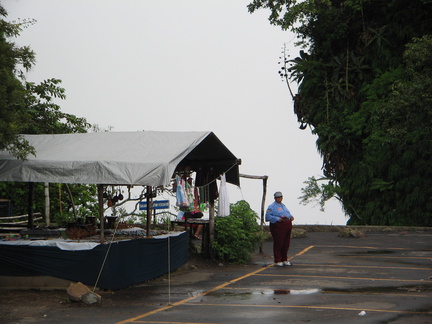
[236, 235]
[29, 108]
[26, 107]
[364, 90]
[12, 90]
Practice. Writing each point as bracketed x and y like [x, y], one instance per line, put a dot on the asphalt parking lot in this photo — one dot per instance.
[383, 277]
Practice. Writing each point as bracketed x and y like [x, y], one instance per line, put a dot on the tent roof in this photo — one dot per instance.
[147, 158]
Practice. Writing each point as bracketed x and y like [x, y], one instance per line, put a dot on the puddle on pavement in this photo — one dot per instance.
[286, 291]
[293, 291]
[240, 294]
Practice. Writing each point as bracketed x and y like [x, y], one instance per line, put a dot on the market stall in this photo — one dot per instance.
[126, 262]
[147, 158]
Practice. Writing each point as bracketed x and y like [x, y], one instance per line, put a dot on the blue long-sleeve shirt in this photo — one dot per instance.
[275, 211]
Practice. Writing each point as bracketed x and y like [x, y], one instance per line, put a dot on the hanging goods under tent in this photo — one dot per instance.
[147, 158]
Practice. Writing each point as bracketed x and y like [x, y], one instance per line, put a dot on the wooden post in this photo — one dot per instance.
[47, 204]
[149, 209]
[30, 223]
[262, 209]
[101, 213]
[263, 201]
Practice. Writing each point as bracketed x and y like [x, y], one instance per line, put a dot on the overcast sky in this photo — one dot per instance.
[190, 65]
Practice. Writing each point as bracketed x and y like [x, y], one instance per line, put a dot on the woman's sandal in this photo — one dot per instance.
[197, 237]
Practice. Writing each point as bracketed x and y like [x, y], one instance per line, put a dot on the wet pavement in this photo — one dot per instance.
[384, 277]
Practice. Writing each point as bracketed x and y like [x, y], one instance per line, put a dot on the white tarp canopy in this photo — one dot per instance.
[147, 158]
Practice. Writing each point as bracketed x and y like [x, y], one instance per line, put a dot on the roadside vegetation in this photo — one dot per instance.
[364, 74]
[237, 235]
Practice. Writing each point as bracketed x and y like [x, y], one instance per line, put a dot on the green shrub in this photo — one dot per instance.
[237, 235]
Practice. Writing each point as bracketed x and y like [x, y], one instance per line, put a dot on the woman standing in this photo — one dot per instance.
[280, 220]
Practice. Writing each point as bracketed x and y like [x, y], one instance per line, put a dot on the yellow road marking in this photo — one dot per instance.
[380, 294]
[138, 319]
[351, 266]
[181, 302]
[332, 277]
[363, 247]
[385, 257]
[312, 307]
[402, 293]
[304, 251]
[159, 322]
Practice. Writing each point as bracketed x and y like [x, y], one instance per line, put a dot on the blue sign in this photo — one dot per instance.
[157, 204]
